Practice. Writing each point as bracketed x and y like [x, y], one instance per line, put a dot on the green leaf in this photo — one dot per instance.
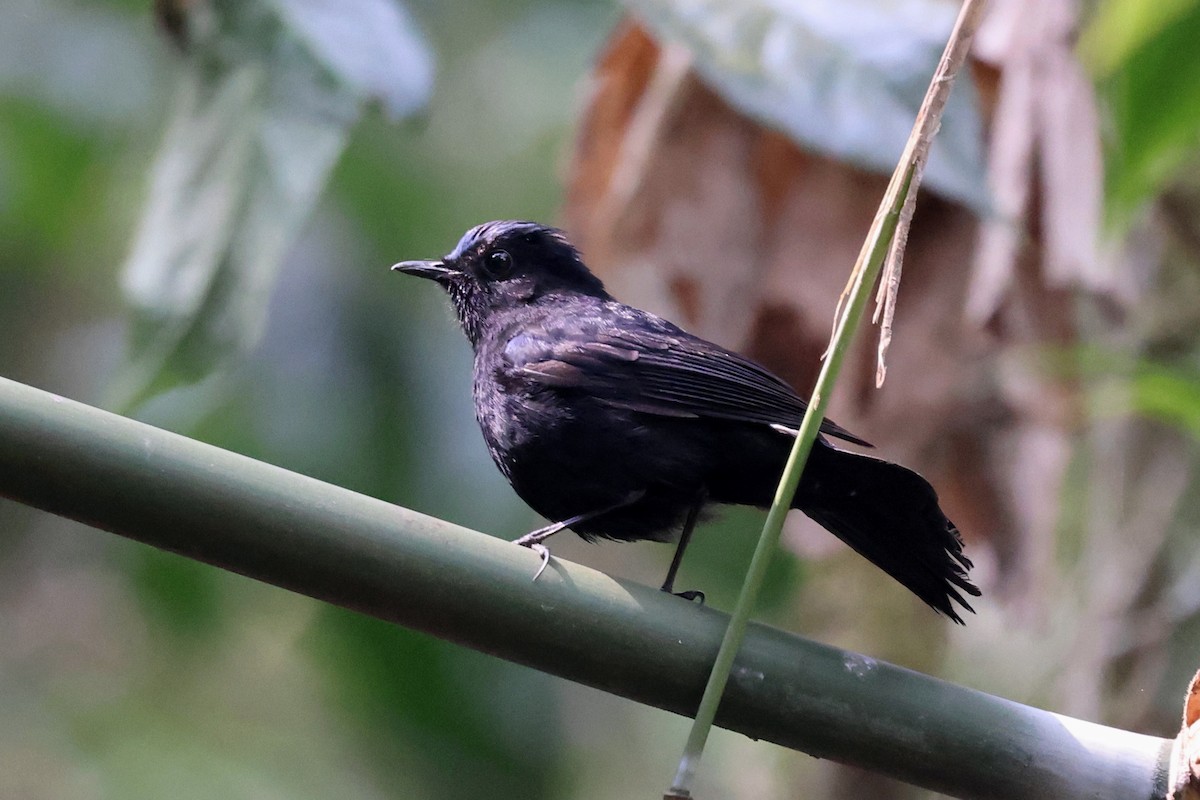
[843, 78]
[1169, 394]
[1122, 384]
[371, 45]
[263, 109]
[1152, 83]
[1120, 28]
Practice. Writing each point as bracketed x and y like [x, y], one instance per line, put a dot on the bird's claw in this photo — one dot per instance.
[692, 596]
[544, 552]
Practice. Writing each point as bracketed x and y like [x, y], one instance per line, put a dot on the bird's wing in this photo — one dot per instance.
[659, 369]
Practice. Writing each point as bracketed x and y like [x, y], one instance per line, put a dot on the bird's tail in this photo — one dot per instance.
[889, 515]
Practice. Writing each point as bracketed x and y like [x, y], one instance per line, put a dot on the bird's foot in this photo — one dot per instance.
[544, 552]
[691, 595]
[533, 540]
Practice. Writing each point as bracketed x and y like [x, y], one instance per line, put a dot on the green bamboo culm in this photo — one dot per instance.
[883, 230]
[634, 641]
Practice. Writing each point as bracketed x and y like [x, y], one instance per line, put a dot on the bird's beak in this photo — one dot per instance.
[434, 270]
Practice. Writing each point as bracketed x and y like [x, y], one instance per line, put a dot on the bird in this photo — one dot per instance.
[617, 424]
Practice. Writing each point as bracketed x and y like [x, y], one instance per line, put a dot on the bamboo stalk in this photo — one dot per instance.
[398, 565]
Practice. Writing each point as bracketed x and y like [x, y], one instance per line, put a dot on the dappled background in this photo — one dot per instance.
[199, 200]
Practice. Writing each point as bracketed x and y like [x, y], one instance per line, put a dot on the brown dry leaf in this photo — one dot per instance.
[688, 208]
[691, 209]
[745, 239]
[1045, 164]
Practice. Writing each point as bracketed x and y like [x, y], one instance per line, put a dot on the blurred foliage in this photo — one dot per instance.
[1143, 53]
[1165, 391]
[264, 103]
[840, 78]
[132, 673]
[278, 199]
[1169, 394]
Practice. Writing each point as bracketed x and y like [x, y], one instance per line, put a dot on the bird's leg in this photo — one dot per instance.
[689, 525]
[533, 540]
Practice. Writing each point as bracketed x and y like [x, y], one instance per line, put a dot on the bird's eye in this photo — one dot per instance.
[498, 264]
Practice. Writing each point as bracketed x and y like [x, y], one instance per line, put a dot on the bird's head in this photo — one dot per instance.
[502, 265]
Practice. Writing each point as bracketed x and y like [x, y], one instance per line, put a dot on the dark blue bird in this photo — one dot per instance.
[615, 423]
